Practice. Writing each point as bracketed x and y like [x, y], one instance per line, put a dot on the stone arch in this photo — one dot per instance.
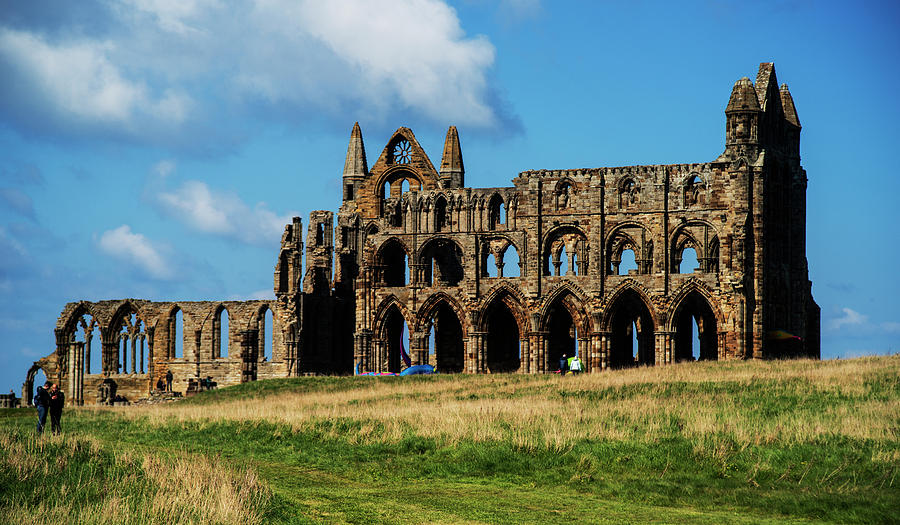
[28, 386]
[566, 239]
[390, 318]
[217, 332]
[391, 262]
[565, 320]
[497, 213]
[699, 235]
[511, 295]
[564, 193]
[121, 331]
[257, 321]
[445, 316]
[633, 236]
[694, 190]
[442, 262]
[628, 190]
[629, 315]
[442, 218]
[497, 245]
[693, 303]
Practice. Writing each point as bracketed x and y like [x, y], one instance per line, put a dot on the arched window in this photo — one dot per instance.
[496, 212]
[266, 334]
[392, 264]
[688, 262]
[490, 266]
[441, 219]
[220, 333]
[511, 262]
[176, 334]
[629, 262]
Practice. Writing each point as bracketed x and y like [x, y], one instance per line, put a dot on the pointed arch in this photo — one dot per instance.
[440, 317]
[632, 236]
[568, 240]
[391, 261]
[631, 320]
[221, 332]
[496, 212]
[694, 307]
[566, 321]
[441, 260]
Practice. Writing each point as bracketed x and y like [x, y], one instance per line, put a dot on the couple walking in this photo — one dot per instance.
[49, 398]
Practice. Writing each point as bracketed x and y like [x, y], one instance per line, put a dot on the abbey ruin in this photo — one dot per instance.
[590, 261]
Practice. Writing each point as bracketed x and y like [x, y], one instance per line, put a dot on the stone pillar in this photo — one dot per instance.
[134, 344]
[87, 346]
[380, 364]
[525, 351]
[142, 338]
[604, 350]
[475, 355]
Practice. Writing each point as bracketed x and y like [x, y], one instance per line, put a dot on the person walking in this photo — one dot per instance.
[57, 401]
[563, 365]
[575, 365]
[42, 403]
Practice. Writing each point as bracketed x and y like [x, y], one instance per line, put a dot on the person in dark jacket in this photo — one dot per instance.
[57, 401]
[42, 403]
[563, 365]
[169, 381]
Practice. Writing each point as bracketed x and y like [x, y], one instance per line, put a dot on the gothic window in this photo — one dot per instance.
[400, 153]
[693, 191]
[564, 195]
[629, 194]
[496, 212]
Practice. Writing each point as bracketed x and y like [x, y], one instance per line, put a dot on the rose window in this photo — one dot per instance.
[401, 152]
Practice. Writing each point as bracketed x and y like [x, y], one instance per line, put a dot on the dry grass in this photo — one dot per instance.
[808, 400]
[74, 479]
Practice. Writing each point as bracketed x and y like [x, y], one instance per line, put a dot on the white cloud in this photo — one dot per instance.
[121, 243]
[222, 213]
[80, 81]
[850, 318]
[189, 72]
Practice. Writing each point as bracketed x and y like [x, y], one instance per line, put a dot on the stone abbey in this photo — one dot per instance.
[593, 261]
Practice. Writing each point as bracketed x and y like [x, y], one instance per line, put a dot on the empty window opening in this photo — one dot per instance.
[393, 266]
[628, 262]
[177, 343]
[688, 261]
[496, 212]
[93, 355]
[386, 190]
[511, 262]
[490, 266]
[563, 267]
[320, 234]
[267, 334]
[221, 335]
[404, 186]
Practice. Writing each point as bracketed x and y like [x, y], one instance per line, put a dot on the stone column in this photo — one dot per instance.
[134, 353]
[604, 350]
[142, 338]
[525, 351]
[87, 346]
[380, 364]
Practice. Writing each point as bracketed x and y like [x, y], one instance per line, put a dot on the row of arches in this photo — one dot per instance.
[440, 212]
[566, 251]
[127, 344]
[504, 335]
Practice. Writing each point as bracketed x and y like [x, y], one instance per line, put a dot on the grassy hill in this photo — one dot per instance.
[734, 442]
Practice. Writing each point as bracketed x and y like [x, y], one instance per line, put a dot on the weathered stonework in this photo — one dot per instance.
[416, 252]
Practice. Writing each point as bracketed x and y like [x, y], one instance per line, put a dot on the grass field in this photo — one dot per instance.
[734, 442]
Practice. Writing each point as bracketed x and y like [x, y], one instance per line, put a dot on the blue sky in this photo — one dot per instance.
[154, 149]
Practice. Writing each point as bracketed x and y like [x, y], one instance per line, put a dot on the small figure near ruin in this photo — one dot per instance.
[575, 365]
[42, 403]
[57, 401]
[169, 381]
[563, 365]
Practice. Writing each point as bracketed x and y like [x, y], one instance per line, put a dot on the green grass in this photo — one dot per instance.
[321, 472]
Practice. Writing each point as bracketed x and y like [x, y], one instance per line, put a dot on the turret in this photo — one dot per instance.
[742, 116]
[355, 168]
[289, 269]
[452, 170]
